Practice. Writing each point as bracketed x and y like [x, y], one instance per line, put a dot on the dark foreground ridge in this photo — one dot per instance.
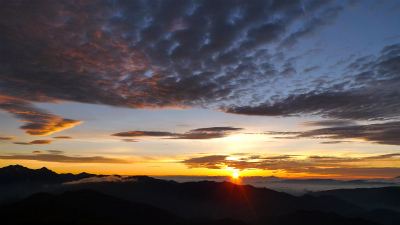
[146, 200]
[82, 207]
[91, 207]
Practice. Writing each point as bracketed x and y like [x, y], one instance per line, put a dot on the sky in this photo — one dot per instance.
[288, 88]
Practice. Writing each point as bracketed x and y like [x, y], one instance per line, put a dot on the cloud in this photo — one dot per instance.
[143, 134]
[141, 54]
[307, 70]
[382, 133]
[311, 165]
[57, 152]
[37, 152]
[373, 94]
[63, 137]
[7, 138]
[200, 133]
[328, 123]
[334, 142]
[35, 142]
[210, 162]
[64, 159]
[216, 129]
[129, 140]
[38, 122]
[311, 26]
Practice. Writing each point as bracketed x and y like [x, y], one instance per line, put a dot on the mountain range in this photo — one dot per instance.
[74, 199]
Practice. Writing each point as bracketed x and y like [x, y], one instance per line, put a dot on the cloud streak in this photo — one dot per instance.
[64, 159]
[63, 137]
[35, 142]
[200, 133]
[311, 165]
[382, 133]
[7, 138]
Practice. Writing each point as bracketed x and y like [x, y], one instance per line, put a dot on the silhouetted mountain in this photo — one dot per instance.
[16, 174]
[83, 207]
[19, 174]
[216, 200]
[17, 181]
[91, 207]
[200, 203]
[383, 216]
[371, 198]
[312, 218]
[337, 182]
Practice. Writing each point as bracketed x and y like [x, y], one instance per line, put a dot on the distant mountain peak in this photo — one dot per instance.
[17, 174]
[44, 168]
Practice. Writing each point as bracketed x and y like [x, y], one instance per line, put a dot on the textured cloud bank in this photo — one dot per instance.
[154, 54]
[200, 133]
[374, 93]
[311, 165]
[383, 133]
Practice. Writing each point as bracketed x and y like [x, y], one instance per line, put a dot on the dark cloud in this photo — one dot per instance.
[7, 138]
[37, 152]
[307, 70]
[145, 54]
[312, 165]
[282, 132]
[325, 18]
[334, 142]
[64, 159]
[381, 133]
[374, 94]
[35, 142]
[63, 137]
[144, 134]
[216, 129]
[200, 133]
[385, 156]
[328, 123]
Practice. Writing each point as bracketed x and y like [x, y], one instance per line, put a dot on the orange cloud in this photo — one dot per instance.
[55, 124]
[38, 122]
[7, 138]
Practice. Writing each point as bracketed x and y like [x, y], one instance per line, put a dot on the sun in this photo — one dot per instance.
[235, 175]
